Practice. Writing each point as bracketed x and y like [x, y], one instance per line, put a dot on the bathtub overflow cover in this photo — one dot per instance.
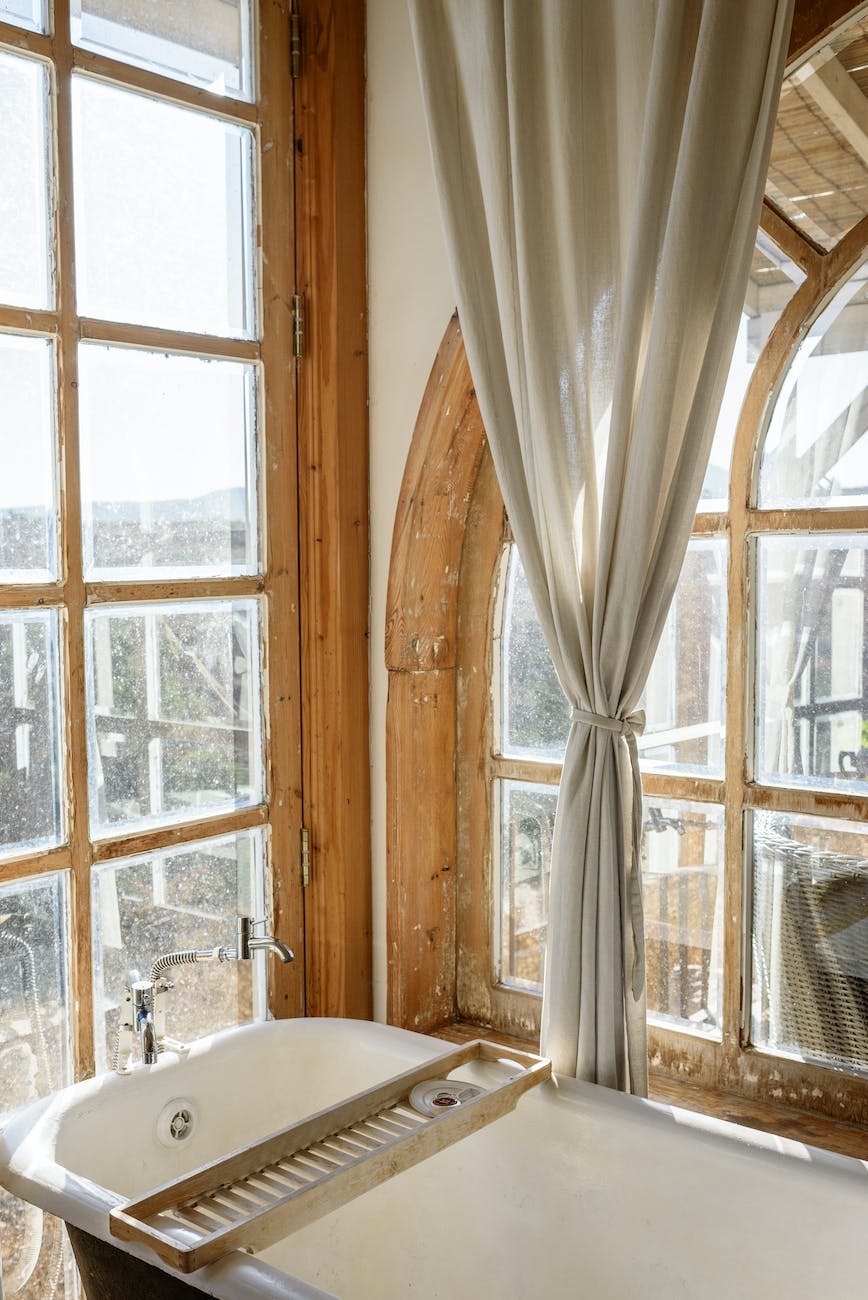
[176, 1122]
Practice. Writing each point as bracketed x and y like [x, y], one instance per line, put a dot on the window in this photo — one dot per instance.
[768, 624]
[147, 578]
[755, 855]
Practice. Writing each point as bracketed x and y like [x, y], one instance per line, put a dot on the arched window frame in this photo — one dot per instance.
[449, 538]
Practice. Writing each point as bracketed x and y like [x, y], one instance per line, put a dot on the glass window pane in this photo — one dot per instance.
[163, 213]
[681, 876]
[35, 1048]
[173, 711]
[30, 765]
[811, 707]
[25, 262]
[168, 464]
[204, 42]
[810, 938]
[774, 278]
[527, 818]
[684, 699]
[817, 173]
[535, 714]
[35, 1254]
[24, 13]
[169, 901]
[815, 452]
[27, 484]
[35, 1059]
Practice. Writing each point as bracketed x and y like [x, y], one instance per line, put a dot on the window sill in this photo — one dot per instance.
[782, 1121]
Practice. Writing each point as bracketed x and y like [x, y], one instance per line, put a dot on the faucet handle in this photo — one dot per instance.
[244, 931]
[242, 946]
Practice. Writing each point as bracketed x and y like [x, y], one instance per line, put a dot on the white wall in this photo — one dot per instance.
[410, 300]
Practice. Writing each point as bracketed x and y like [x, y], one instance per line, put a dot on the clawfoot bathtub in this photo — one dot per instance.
[578, 1192]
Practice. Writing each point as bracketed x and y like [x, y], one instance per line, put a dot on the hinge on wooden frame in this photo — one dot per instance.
[305, 857]
[297, 325]
[294, 46]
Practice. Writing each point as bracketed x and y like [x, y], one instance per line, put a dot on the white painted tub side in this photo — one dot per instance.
[580, 1191]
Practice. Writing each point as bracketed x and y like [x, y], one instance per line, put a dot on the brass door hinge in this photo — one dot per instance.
[305, 857]
[294, 46]
[297, 325]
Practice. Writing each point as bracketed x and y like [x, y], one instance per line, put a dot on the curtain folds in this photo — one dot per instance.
[600, 165]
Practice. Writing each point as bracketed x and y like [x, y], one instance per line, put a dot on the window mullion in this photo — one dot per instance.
[21, 39]
[168, 340]
[804, 802]
[24, 320]
[25, 596]
[518, 769]
[47, 863]
[738, 695]
[162, 87]
[71, 549]
[821, 519]
[187, 832]
[668, 785]
[121, 593]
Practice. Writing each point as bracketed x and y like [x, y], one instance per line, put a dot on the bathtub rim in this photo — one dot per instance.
[29, 1135]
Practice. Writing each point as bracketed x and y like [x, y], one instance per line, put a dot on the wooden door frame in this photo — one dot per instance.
[332, 398]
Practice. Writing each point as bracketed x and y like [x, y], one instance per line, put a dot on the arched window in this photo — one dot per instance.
[755, 753]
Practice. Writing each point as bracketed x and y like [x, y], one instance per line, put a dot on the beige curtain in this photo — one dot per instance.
[600, 165]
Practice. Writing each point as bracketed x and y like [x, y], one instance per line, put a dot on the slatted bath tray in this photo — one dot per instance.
[261, 1193]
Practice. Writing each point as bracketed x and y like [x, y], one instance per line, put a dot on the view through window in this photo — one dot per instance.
[806, 610]
[136, 612]
[755, 752]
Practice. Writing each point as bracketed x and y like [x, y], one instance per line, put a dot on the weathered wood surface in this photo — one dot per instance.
[428, 537]
[812, 21]
[421, 656]
[420, 780]
[261, 1193]
[281, 630]
[333, 495]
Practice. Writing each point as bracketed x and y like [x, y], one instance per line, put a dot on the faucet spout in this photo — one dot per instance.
[267, 943]
[143, 1013]
[249, 943]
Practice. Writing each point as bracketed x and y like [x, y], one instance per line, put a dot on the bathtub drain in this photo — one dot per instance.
[436, 1095]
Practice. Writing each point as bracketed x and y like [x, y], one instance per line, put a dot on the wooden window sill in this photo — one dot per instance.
[782, 1121]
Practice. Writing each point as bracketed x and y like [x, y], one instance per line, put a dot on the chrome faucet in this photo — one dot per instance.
[249, 943]
[143, 1014]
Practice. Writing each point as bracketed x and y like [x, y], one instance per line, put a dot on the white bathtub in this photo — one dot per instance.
[579, 1192]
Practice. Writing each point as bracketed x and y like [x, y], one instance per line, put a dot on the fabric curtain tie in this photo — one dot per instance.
[630, 726]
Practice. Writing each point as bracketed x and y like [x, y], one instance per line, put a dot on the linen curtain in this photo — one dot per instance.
[600, 166]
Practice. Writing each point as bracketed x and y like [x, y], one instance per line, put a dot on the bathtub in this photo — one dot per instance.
[578, 1192]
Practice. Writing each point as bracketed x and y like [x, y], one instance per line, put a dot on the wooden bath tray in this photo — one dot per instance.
[261, 1193]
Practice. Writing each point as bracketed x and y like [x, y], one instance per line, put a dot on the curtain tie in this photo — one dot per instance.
[633, 724]
[630, 726]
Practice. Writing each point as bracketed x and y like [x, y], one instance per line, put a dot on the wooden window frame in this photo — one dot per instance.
[451, 524]
[314, 585]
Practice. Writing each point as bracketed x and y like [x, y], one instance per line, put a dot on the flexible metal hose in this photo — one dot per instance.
[187, 957]
[11, 945]
[116, 1054]
[184, 957]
